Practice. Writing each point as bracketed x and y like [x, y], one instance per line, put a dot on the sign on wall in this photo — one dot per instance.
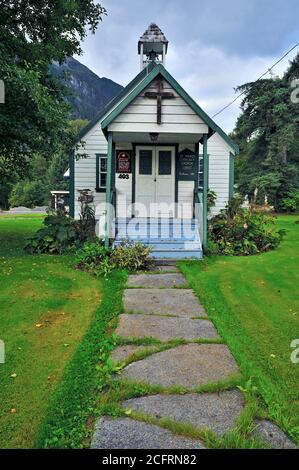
[187, 165]
[123, 161]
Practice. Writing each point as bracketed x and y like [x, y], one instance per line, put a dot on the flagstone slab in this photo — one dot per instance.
[177, 302]
[188, 365]
[157, 280]
[272, 435]
[126, 433]
[169, 268]
[121, 353]
[215, 411]
[164, 328]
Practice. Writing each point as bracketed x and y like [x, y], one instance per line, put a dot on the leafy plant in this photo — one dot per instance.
[238, 231]
[57, 235]
[212, 196]
[95, 258]
[131, 256]
[85, 226]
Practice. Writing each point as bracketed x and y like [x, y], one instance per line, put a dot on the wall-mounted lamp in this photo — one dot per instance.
[154, 136]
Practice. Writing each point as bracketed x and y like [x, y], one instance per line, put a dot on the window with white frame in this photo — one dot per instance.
[200, 171]
[101, 176]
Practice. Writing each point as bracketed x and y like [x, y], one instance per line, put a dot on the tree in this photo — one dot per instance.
[267, 132]
[60, 161]
[33, 34]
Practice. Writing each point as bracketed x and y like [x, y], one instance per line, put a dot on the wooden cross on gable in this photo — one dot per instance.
[159, 95]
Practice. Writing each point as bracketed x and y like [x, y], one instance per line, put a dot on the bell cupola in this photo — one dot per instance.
[152, 46]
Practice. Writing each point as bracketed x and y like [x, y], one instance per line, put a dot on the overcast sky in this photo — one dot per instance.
[214, 45]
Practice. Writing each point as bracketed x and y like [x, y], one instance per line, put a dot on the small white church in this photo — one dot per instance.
[150, 158]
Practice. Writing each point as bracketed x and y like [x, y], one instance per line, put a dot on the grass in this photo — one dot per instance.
[58, 329]
[54, 322]
[254, 303]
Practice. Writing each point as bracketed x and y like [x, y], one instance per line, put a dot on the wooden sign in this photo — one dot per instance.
[187, 165]
[123, 161]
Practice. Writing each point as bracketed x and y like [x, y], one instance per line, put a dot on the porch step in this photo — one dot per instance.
[168, 239]
[176, 254]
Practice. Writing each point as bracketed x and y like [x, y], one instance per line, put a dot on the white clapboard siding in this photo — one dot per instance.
[85, 168]
[218, 151]
[141, 116]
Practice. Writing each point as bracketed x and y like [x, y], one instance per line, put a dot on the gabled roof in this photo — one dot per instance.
[136, 86]
[131, 85]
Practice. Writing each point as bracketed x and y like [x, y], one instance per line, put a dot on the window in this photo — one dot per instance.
[200, 171]
[101, 172]
[145, 162]
[164, 162]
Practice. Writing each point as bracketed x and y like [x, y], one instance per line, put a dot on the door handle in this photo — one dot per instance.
[155, 179]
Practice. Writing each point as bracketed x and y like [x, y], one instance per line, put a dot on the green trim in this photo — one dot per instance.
[231, 175]
[98, 188]
[72, 183]
[176, 176]
[205, 191]
[108, 188]
[114, 101]
[160, 70]
[133, 177]
[113, 166]
[196, 177]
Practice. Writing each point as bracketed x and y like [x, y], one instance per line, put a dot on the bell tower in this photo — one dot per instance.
[152, 46]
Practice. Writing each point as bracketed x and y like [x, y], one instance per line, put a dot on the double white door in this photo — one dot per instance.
[155, 181]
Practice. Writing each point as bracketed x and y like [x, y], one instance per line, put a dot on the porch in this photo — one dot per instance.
[168, 238]
[153, 194]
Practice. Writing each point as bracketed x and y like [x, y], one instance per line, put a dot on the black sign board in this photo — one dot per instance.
[187, 165]
[123, 161]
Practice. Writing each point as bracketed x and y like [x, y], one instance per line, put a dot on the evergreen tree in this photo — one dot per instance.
[267, 133]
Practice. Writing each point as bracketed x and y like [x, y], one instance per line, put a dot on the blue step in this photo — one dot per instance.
[165, 237]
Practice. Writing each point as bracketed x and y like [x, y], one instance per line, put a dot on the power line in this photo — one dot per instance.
[265, 73]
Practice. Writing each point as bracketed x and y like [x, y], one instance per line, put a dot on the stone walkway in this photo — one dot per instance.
[161, 307]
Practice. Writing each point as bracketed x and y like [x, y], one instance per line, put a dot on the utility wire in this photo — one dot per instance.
[265, 73]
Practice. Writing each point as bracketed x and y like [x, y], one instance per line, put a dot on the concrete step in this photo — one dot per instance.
[177, 254]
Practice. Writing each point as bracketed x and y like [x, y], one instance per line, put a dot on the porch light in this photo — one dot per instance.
[154, 136]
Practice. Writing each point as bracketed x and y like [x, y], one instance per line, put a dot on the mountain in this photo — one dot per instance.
[89, 93]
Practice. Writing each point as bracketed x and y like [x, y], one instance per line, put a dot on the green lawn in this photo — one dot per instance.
[48, 313]
[254, 303]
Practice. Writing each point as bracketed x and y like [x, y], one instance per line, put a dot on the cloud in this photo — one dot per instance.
[214, 46]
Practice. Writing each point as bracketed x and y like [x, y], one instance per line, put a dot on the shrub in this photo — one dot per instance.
[131, 256]
[94, 258]
[61, 233]
[291, 202]
[57, 235]
[211, 248]
[238, 231]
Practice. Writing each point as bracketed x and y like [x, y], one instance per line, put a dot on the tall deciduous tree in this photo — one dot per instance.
[33, 34]
[267, 132]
